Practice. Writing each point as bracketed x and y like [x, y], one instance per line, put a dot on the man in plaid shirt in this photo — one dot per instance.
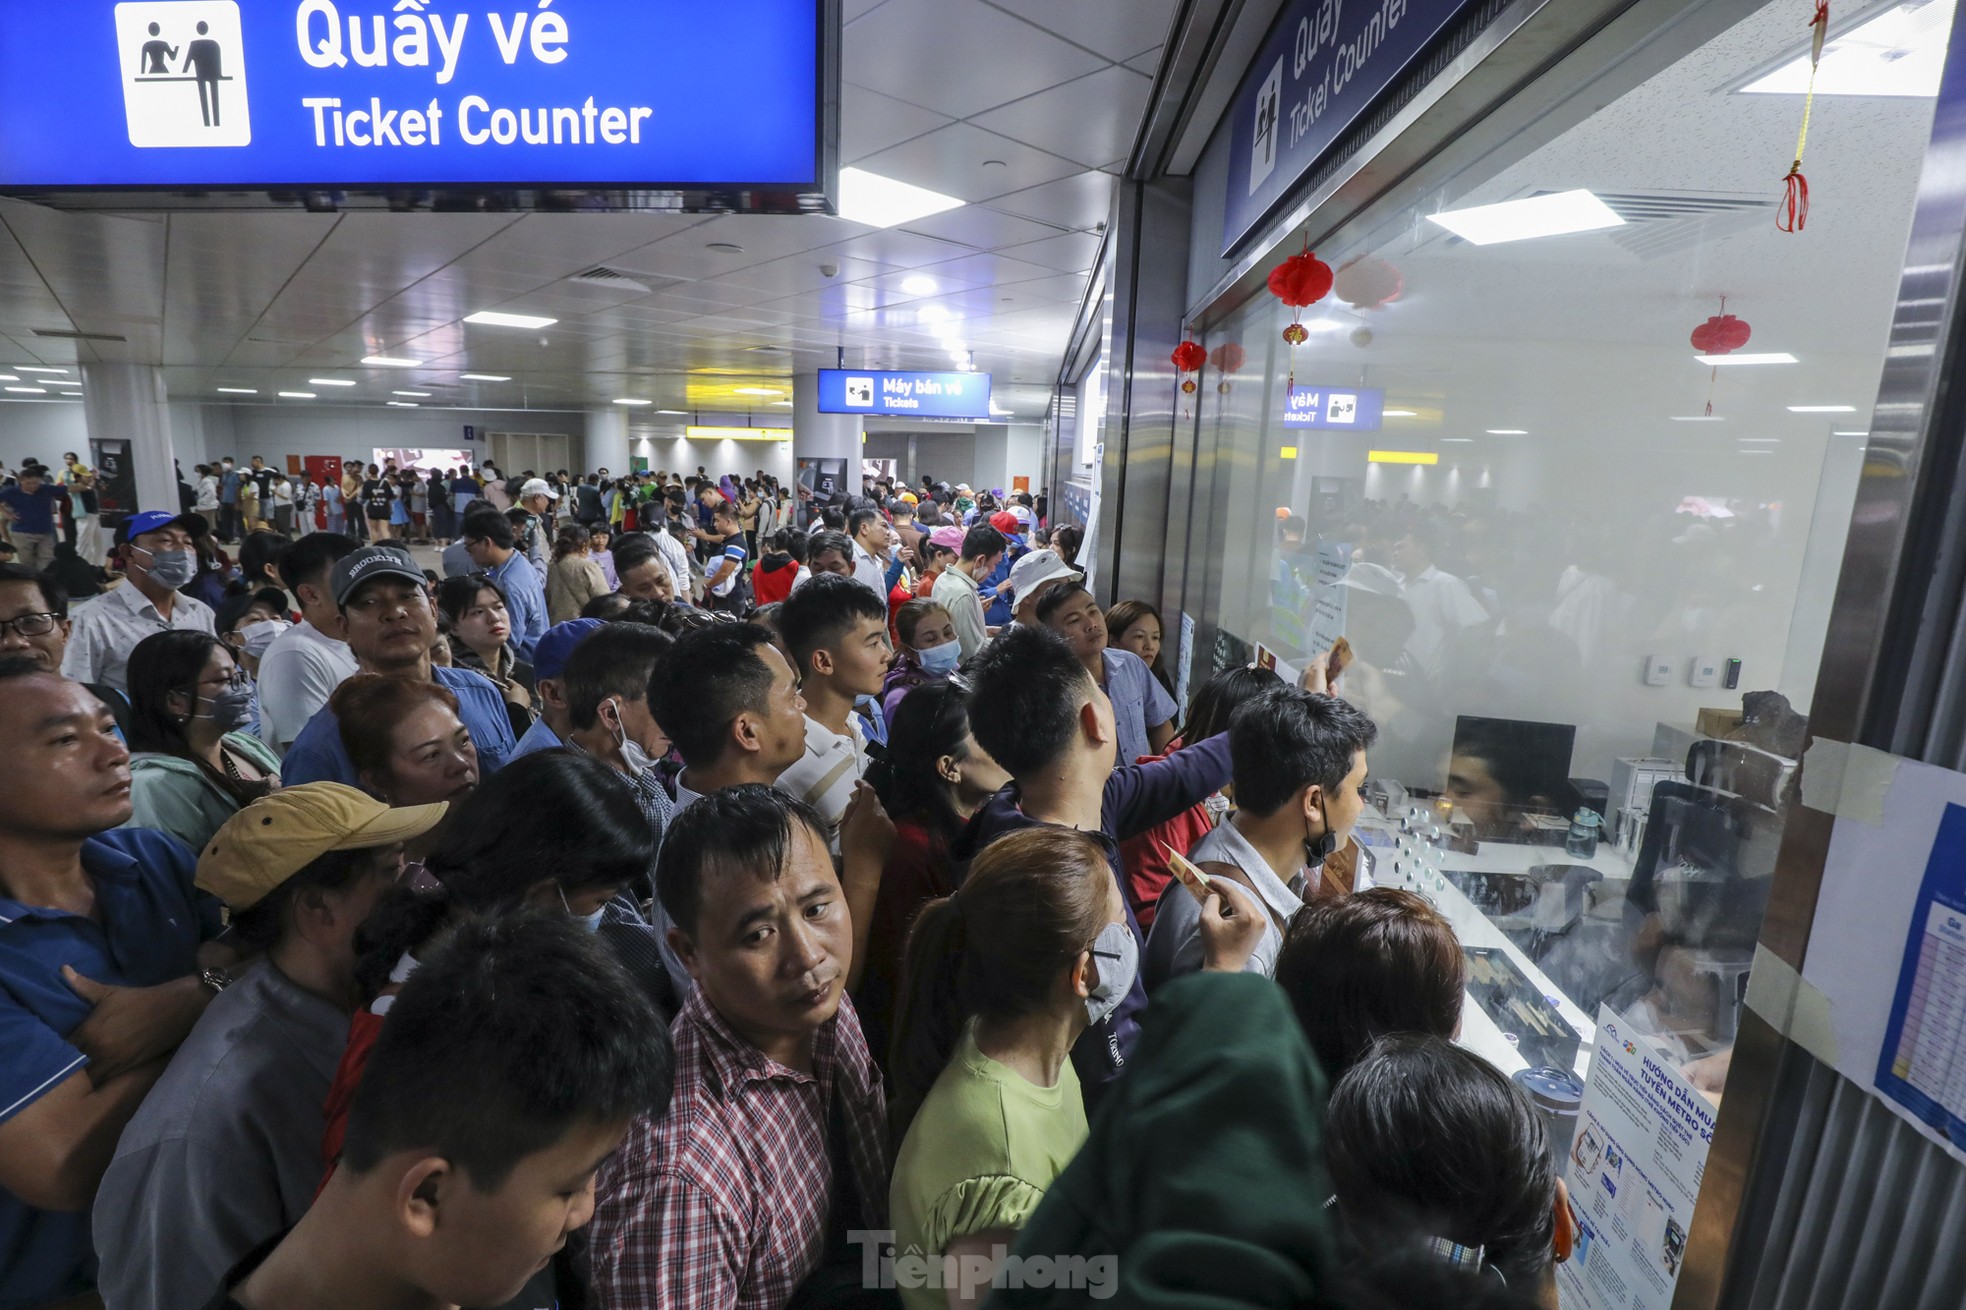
[774, 1145]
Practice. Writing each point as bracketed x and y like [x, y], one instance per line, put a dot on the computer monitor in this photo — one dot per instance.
[1500, 766]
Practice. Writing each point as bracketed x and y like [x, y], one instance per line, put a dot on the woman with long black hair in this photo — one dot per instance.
[193, 765]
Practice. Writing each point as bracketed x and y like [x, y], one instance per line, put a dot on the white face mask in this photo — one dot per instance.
[591, 922]
[638, 760]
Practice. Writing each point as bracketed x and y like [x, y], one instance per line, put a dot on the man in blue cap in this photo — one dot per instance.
[549, 666]
[158, 550]
[386, 618]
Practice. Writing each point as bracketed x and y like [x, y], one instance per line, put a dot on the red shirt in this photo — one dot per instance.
[363, 1029]
[918, 870]
[770, 586]
[1147, 869]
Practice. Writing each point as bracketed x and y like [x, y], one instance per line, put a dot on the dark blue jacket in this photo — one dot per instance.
[1138, 797]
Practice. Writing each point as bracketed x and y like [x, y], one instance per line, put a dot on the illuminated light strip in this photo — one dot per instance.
[1401, 457]
[737, 434]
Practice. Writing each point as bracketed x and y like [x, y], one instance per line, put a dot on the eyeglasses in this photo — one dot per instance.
[30, 625]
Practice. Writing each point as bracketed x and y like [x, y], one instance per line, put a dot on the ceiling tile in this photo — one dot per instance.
[981, 229]
[1078, 202]
[1113, 28]
[1148, 62]
[1071, 253]
[952, 160]
[870, 121]
[1089, 120]
[887, 51]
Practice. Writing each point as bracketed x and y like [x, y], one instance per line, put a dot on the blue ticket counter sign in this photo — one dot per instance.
[1321, 68]
[255, 94]
[904, 395]
[1334, 409]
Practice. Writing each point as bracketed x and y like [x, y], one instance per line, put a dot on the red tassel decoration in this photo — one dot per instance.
[1794, 213]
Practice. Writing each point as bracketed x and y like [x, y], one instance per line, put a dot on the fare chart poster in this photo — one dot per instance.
[1635, 1167]
[253, 93]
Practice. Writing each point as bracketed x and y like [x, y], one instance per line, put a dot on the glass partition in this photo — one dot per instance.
[1582, 568]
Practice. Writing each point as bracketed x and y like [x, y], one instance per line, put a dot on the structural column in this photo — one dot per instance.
[606, 443]
[824, 438]
[127, 402]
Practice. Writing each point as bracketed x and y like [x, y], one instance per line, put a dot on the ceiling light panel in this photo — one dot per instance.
[884, 202]
[1900, 52]
[1551, 215]
[495, 318]
[1739, 360]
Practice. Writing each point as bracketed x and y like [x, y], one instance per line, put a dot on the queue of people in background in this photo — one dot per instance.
[736, 921]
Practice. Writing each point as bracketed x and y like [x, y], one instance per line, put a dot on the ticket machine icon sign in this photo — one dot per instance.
[860, 392]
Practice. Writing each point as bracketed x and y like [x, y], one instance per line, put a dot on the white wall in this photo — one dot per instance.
[276, 431]
[41, 429]
[681, 455]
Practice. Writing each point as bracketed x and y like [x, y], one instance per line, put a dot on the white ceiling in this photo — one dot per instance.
[1582, 340]
[1023, 108]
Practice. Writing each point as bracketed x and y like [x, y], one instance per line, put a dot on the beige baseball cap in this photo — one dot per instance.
[278, 835]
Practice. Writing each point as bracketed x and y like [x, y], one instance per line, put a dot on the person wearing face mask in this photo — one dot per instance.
[157, 558]
[1299, 761]
[606, 684]
[193, 763]
[930, 652]
[1000, 980]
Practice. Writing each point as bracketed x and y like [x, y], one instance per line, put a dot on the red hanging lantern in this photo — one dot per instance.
[1721, 334]
[1189, 356]
[1229, 356]
[1301, 280]
[1368, 283]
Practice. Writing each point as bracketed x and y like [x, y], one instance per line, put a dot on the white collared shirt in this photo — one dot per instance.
[824, 776]
[107, 630]
[868, 570]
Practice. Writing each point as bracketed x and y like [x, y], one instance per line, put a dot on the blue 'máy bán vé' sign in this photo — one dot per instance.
[1334, 409]
[1323, 65]
[908, 395]
[362, 93]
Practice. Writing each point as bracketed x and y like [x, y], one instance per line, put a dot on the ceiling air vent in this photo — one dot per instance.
[609, 277]
[78, 336]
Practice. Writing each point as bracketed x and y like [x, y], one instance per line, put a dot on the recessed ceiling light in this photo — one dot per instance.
[758, 391]
[784, 403]
[1761, 441]
[1850, 434]
[329, 382]
[933, 314]
[297, 395]
[1698, 418]
[1822, 409]
[1399, 413]
[630, 400]
[918, 284]
[75, 395]
[678, 412]
[1901, 52]
[1735, 361]
[390, 361]
[995, 163]
[1538, 216]
[1457, 438]
[495, 318]
[883, 202]
[401, 404]
[31, 368]
[484, 377]
[1507, 432]
[239, 391]
[29, 391]
[418, 394]
[8, 377]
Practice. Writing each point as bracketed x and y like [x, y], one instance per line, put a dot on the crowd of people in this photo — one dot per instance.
[694, 895]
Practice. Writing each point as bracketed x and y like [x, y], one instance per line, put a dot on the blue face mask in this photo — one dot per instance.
[941, 660]
[591, 922]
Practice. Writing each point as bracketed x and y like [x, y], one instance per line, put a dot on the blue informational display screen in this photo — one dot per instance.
[1334, 409]
[364, 93]
[909, 395]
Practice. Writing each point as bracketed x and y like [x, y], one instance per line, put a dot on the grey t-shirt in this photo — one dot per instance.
[225, 1151]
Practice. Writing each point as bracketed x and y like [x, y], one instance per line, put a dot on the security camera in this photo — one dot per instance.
[829, 270]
